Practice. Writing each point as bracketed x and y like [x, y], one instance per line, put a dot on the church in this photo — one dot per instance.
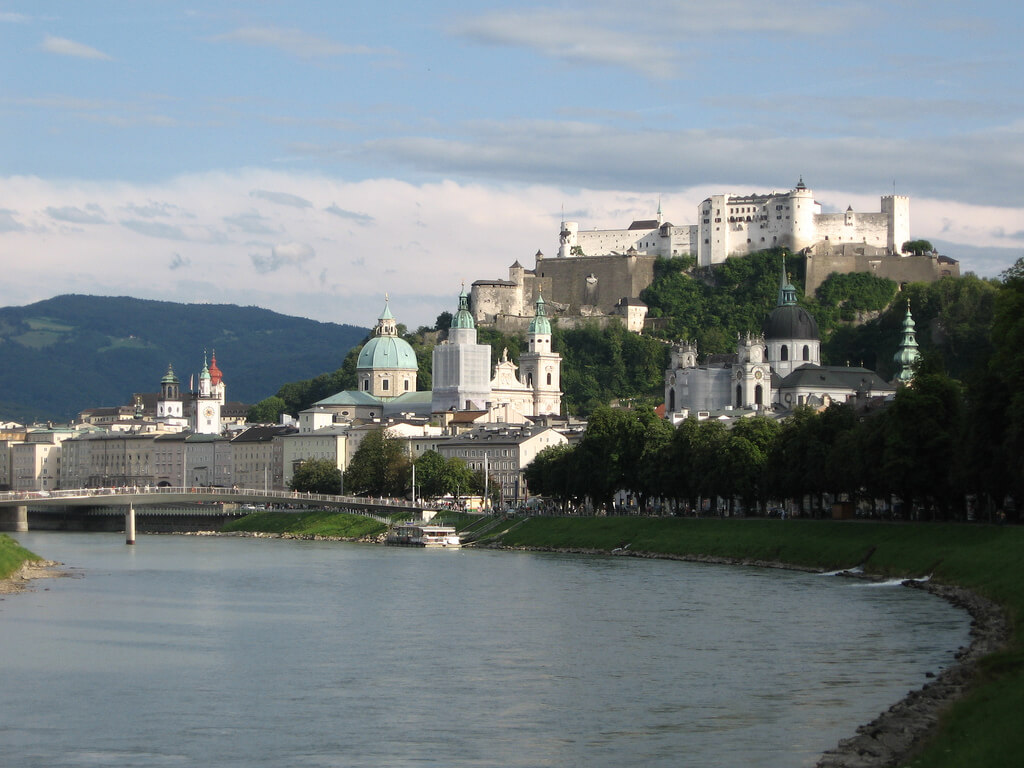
[461, 371]
[778, 369]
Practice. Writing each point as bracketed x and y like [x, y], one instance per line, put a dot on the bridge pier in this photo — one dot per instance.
[129, 525]
[14, 519]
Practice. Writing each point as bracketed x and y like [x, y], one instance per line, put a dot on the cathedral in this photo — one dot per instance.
[778, 369]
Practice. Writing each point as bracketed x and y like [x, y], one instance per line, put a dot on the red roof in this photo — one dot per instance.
[215, 374]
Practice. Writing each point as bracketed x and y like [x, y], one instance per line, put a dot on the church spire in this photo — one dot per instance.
[908, 353]
[787, 293]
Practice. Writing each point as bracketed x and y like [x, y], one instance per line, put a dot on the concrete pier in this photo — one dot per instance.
[129, 525]
[14, 519]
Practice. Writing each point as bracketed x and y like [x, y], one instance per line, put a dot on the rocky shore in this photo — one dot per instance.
[29, 571]
[896, 734]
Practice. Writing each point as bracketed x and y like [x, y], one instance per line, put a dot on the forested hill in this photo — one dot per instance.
[68, 353]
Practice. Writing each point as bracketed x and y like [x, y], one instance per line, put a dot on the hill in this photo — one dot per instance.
[68, 353]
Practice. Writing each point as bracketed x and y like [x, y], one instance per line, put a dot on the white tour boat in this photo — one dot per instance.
[420, 535]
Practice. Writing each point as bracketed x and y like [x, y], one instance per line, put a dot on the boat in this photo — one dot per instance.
[419, 535]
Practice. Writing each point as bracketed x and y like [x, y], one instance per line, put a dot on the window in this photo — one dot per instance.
[784, 354]
[385, 384]
[549, 379]
[406, 385]
[366, 385]
[807, 352]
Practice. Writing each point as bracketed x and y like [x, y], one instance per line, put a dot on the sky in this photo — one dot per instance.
[312, 157]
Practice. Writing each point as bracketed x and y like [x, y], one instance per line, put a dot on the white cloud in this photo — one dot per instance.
[294, 42]
[74, 215]
[282, 198]
[419, 242]
[64, 47]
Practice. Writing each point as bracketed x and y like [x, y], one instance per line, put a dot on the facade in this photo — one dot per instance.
[258, 459]
[328, 443]
[206, 415]
[503, 451]
[36, 462]
[461, 366]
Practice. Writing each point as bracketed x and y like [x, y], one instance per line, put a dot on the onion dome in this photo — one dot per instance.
[215, 374]
[169, 377]
[540, 322]
[463, 318]
[789, 320]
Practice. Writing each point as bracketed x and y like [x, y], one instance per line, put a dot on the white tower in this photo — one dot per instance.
[206, 419]
[169, 405]
[461, 366]
[540, 367]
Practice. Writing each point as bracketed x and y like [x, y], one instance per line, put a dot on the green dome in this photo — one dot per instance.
[540, 322]
[387, 352]
[463, 318]
[169, 377]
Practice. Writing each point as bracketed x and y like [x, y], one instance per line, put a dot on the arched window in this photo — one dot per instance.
[739, 396]
[784, 355]
[672, 401]
[549, 379]
[758, 395]
[807, 352]
[529, 379]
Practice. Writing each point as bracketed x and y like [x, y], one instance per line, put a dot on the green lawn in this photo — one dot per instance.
[12, 555]
[320, 523]
[981, 730]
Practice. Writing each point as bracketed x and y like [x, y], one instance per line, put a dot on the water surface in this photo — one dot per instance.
[187, 651]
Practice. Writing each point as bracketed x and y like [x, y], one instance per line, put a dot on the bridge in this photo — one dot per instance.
[14, 505]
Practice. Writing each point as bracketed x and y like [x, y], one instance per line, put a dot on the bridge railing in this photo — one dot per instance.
[226, 494]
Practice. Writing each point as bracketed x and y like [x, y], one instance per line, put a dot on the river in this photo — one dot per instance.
[222, 651]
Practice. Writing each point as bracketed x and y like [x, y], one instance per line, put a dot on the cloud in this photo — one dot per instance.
[360, 218]
[282, 198]
[252, 223]
[155, 229]
[8, 223]
[284, 255]
[64, 47]
[74, 215]
[8, 17]
[152, 210]
[179, 261]
[294, 42]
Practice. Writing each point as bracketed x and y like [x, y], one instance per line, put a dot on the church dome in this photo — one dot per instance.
[790, 322]
[387, 352]
[169, 377]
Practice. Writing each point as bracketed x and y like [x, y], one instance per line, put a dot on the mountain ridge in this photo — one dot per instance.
[61, 355]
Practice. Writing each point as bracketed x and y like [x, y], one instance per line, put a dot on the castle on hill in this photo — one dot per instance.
[599, 274]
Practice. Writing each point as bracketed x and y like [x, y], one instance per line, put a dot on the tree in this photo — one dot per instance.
[379, 467]
[917, 247]
[267, 411]
[436, 476]
[317, 476]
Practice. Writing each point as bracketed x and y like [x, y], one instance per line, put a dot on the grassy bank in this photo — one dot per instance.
[982, 729]
[322, 523]
[12, 556]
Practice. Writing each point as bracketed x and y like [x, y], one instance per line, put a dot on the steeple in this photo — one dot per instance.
[540, 322]
[463, 318]
[787, 293]
[908, 353]
[386, 325]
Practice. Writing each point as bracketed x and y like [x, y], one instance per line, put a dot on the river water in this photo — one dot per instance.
[210, 651]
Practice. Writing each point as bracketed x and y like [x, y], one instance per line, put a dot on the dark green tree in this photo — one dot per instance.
[317, 476]
[379, 467]
[267, 411]
[917, 247]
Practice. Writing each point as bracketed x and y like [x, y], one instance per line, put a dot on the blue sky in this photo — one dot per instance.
[311, 156]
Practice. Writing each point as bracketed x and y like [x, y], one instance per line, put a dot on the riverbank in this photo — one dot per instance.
[18, 566]
[968, 715]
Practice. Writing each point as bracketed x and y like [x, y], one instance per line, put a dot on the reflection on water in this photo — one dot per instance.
[255, 652]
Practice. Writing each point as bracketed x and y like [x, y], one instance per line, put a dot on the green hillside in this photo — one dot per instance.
[68, 353]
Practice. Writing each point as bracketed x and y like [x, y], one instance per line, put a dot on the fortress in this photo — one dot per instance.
[599, 274]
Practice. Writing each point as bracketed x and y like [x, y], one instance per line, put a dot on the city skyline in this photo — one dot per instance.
[310, 161]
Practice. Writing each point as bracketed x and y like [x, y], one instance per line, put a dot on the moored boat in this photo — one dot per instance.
[419, 535]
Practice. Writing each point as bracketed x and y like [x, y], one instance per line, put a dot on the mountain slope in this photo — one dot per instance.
[72, 352]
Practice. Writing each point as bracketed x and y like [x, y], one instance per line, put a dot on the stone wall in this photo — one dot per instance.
[595, 281]
[824, 260]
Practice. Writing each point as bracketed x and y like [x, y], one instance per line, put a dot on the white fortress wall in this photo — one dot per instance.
[850, 227]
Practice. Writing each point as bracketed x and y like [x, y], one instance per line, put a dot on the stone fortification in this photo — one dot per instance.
[824, 259]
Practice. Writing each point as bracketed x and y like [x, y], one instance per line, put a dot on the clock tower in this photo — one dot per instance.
[206, 417]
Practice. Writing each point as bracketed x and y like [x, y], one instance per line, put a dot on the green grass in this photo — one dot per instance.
[983, 729]
[320, 523]
[12, 555]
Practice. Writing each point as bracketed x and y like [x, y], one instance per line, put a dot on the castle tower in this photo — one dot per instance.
[540, 367]
[897, 209]
[568, 238]
[386, 366]
[461, 366]
[908, 353]
[169, 405]
[801, 201]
